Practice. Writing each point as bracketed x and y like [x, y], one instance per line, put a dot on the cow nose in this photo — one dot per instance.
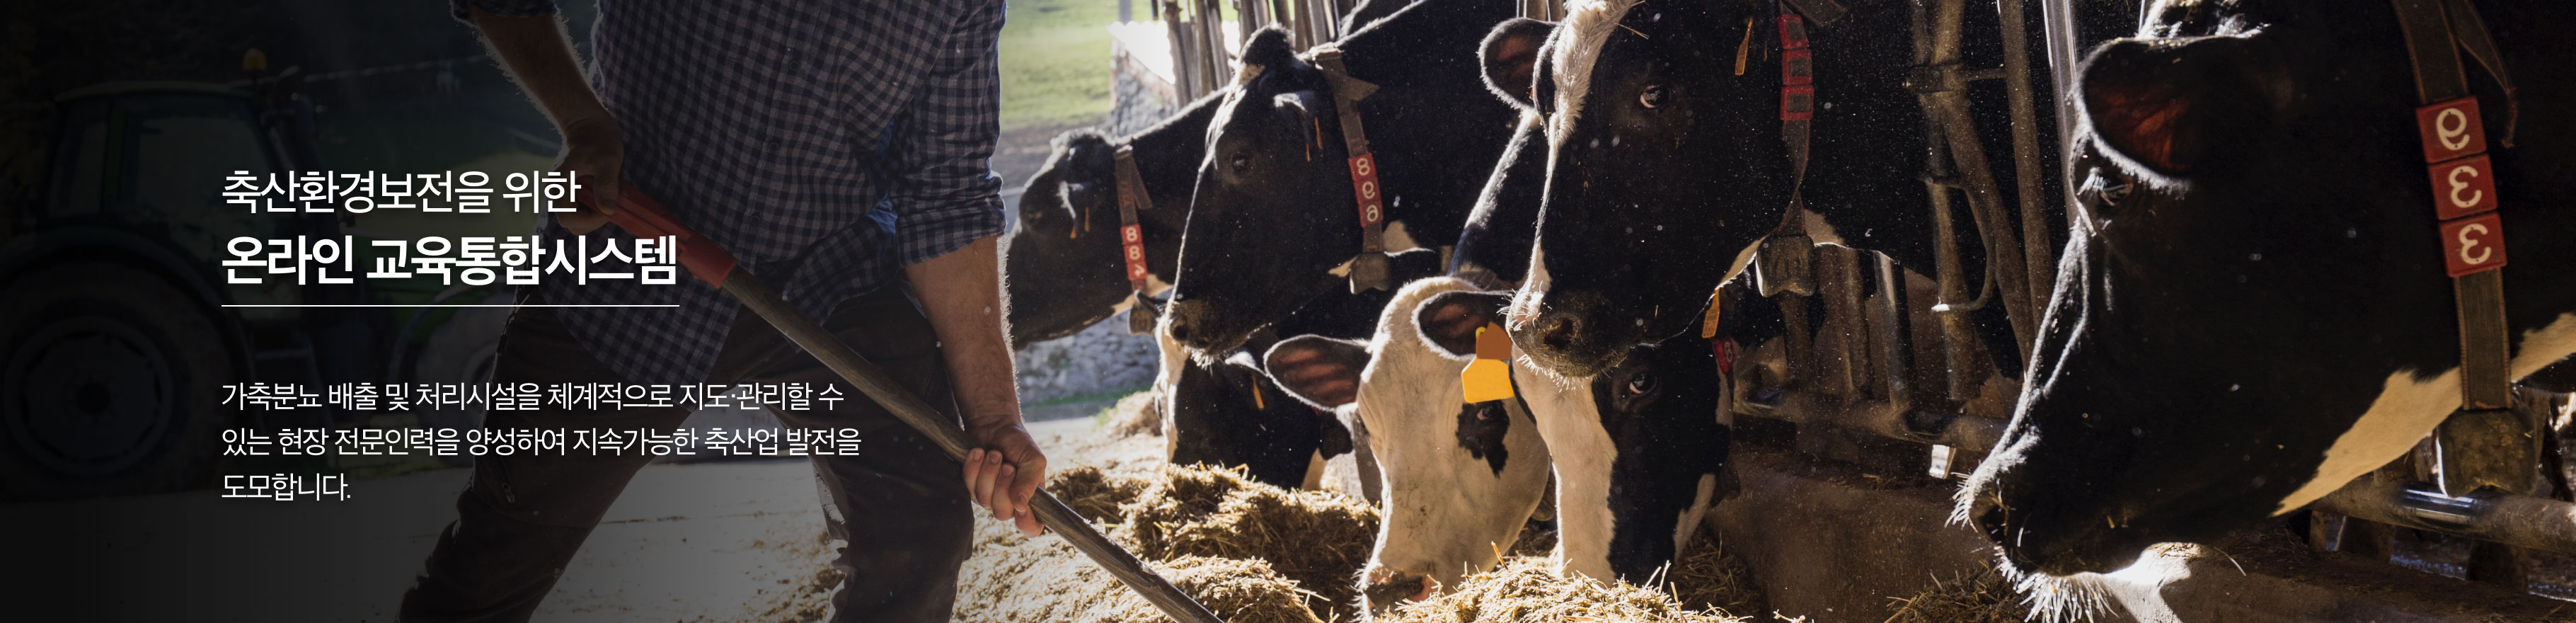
[1557, 331]
[1390, 587]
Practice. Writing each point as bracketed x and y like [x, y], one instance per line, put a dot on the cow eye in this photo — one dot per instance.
[1640, 384]
[1241, 162]
[1652, 97]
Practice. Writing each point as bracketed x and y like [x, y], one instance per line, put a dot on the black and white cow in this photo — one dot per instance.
[1224, 411]
[1274, 214]
[1460, 480]
[1666, 166]
[1062, 260]
[2253, 309]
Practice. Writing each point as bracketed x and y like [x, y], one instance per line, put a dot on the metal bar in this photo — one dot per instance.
[2057, 24]
[2516, 520]
[1897, 358]
[2039, 257]
[873, 382]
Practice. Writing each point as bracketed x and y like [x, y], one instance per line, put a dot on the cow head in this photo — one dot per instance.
[2252, 308]
[1226, 413]
[1062, 259]
[1460, 479]
[1664, 162]
[1273, 214]
[1639, 454]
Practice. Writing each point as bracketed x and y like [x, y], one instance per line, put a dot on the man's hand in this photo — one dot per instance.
[961, 293]
[593, 151]
[1004, 471]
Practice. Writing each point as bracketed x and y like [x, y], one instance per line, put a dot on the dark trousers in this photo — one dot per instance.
[900, 505]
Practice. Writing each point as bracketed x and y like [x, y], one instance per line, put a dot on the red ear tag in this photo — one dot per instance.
[2473, 244]
[2451, 129]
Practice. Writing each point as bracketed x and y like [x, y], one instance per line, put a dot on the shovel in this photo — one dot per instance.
[709, 262]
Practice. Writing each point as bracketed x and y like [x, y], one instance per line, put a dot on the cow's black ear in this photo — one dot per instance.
[1269, 49]
[1322, 371]
[1510, 56]
[1448, 320]
[1086, 167]
[1403, 267]
[2171, 105]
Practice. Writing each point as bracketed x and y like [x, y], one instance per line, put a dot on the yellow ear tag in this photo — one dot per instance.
[1708, 323]
[1489, 377]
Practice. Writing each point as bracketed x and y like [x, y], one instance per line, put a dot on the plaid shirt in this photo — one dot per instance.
[827, 144]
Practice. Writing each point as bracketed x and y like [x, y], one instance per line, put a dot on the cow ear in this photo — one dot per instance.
[1510, 57]
[1267, 50]
[1403, 267]
[1297, 109]
[1449, 320]
[1321, 371]
[2170, 104]
[1085, 169]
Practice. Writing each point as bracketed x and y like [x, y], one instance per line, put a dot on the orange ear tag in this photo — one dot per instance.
[1489, 377]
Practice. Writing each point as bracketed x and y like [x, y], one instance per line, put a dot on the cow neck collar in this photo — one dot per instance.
[1369, 268]
[1132, 198]
[1785, 249]
[2454, 143]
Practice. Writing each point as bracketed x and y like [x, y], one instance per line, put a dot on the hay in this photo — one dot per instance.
[1093, 493]
[1250, 552]
[1708, 576]
[1044, 579]
[1320, 540]
[1981, 596]
[1526, 589]
[1136, 414]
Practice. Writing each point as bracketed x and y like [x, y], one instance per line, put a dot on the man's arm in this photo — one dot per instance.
[538, 53]
[961, 293]
[948, 214]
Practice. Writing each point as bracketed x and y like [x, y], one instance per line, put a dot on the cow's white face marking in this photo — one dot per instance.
[1166, 377]
[2408, 409]
[1447, 512]
[1588, 25]
[1691, 516]
[1583, 452]
[1524, 305]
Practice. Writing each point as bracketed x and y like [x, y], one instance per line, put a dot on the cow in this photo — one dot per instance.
[1666, 166]
[1062, 261]
[2253, 307]
[1274, 219]
[1226, 411]
[1459, 482]
[1638, 452]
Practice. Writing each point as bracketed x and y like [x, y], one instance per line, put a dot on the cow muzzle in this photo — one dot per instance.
[1388, 587]
[1566, 333]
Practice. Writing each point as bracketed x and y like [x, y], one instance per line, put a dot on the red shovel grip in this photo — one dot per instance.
[645, 218]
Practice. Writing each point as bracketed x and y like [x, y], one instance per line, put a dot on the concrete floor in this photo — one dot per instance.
[686, 542]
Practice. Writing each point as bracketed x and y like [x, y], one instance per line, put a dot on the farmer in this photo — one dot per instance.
[840, 152]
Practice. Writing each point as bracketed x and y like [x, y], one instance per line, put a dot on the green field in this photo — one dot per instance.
[1055, 62]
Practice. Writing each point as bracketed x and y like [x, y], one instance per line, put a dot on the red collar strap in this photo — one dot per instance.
[2465, 198]
[1369, 268]
[1131, 237]
[2473, 446]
